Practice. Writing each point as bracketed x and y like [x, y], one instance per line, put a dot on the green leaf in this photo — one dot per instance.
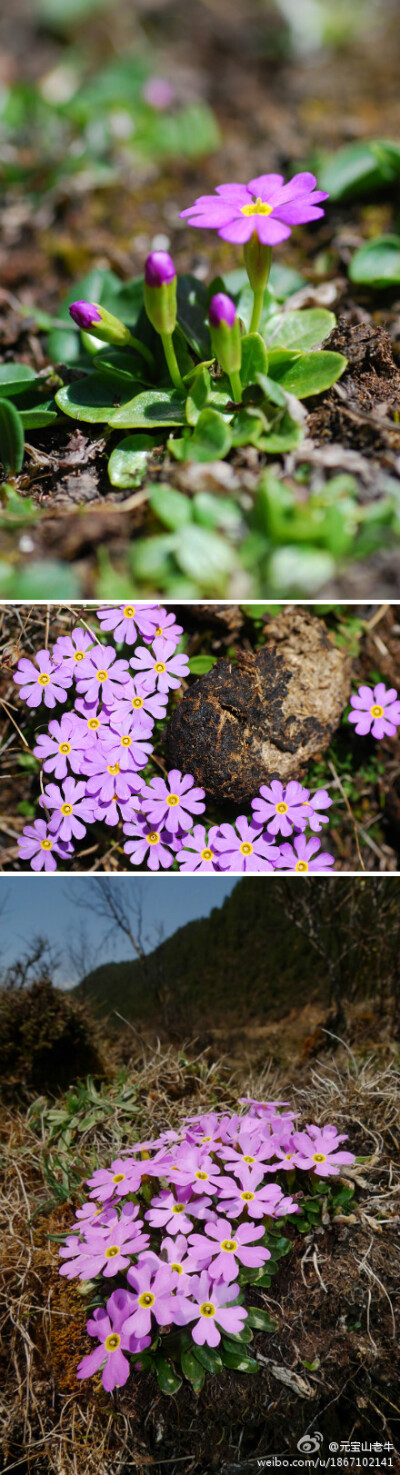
[45, 413]
[293, 570]
[238, 1361]
[192, 299]
[260, 1320]
[192, 1369]
[172, 508]
[198, 396]
[377, 263]
[254, 358]
[128, 462]
[210, 1358]
[46, 580]
[211, 439]
[283, 437]
[122, 365]
[359, 168]
[301, 329]
[247, 426]
[151, 408]
[12, 441]
[205, 557]
[167, 1378]
[305, 374]
[90, 399]
[14, 379]
[199, 665]
[151, 559]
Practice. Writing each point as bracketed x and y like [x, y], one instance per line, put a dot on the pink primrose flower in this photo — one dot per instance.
[40, 847]
[72, 810]
[259, 1202]
[152, 1289]
[174, 801]
[70, 650]
[302, 856]
[243, 848]
[316, 1149]
[167, 669]
[41, 681]
[266, 205]
[197, 852]
[280, 807]
[209, 1308]
[221, 1247]
[144, 841]
[108, 1326]
[376, 710]
[61, 747]
[101, 672]
[126, 620]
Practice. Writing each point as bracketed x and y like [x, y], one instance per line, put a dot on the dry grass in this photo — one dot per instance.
[334, 1297]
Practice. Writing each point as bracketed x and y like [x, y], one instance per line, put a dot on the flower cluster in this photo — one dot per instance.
[180, 1223]
[98, 761]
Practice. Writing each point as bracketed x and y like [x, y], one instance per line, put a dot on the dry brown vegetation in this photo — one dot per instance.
[330, 1365]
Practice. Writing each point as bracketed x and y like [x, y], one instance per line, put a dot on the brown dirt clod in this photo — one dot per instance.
[239, 726]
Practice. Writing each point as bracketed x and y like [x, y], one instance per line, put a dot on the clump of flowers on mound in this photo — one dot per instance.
[182, 1226]
[100, 766]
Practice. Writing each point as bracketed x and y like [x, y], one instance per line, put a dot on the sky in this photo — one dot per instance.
[58, 910]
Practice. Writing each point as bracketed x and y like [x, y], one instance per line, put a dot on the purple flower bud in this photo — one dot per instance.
[159, 269]
[84, 314]
[222, 310]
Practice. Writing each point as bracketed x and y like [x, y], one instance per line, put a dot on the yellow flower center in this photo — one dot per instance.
[129, 611]
[158, 631]
[66, 809]
[43, 680]
[111, 1252]
[257, 208]
[207, 1309]
[113, 768]
[172, 800]
[203, 1176]
[112, 1342]
[246, 849]
[64, 748]
[249, 1159]
[119, 1178]
[229, 1245]
[146, 1299]
[377, 711]
[153, 837]
[126, 742]
[94, 723]
[45, 844]
[79, 655]
[301, 865]
[288, 1156]
[102, 675]
[137, 701]
[319, 1157]
[159, 667]
[247, 1196]
[178, 1268]
[178, 1209]
[207, 854]
[205, 1139]
[281, 808]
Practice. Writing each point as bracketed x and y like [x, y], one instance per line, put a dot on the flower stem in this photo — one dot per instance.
[172, 360]
[236, 387]
[257, 310]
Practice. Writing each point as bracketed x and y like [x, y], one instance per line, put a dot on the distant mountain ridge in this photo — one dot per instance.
[245, 953]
